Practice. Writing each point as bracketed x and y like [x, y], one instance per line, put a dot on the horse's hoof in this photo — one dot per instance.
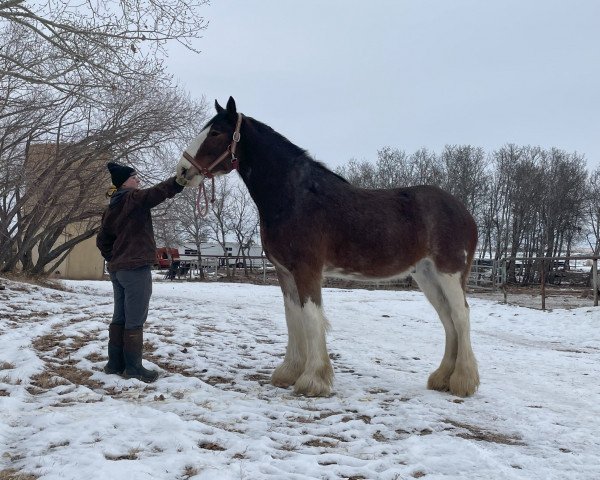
[464, 385]
[284, 376]
[439, 381]
[312, 386]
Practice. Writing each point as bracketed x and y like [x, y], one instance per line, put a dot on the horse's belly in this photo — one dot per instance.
[344, 274]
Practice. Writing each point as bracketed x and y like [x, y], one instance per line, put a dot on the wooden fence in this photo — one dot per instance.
[486, 274]
[494, 274]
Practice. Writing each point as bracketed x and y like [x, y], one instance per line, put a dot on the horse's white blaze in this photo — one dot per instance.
[194, 177]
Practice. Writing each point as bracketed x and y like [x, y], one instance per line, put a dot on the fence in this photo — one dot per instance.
[212, 264]
[486, 274]
[489, 274]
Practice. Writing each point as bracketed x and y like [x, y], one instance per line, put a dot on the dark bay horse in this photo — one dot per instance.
[314, 223]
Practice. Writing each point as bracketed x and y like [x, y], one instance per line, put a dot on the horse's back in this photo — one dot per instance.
[383, 232]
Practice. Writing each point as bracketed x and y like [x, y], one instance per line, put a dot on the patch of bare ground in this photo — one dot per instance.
[131, 455]
[189, 472]
[55, 375]
[476, 433]
[211, 446]
[41, 281]
[261, 378]
[12, 474]
[95, 357]
[319, 442]
[167, 366]
[48, 342]
[421, 433]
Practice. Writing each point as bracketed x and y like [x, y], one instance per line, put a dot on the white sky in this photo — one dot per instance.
[343, 79]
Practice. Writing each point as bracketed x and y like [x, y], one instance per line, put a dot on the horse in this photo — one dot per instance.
[314, 223]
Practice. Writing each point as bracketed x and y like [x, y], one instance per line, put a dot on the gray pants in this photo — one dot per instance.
[132, 291]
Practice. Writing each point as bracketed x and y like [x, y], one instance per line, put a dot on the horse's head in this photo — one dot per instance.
[212, 152]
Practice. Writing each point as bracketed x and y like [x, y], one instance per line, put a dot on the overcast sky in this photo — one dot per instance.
[343, 79]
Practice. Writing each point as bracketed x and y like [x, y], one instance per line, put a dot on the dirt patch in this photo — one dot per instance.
[131, 455]
[169, 367]
[476, 433]
[41, 281]
[11, 474]
[56, 375]
[48, 342]
[211, 446]
[319, 442]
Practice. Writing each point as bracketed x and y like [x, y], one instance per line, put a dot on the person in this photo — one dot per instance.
[126, 241]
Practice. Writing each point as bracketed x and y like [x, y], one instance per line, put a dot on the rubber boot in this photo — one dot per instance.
[133, 343]
[116, 360]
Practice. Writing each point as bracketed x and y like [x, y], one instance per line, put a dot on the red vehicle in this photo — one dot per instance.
[164, 257]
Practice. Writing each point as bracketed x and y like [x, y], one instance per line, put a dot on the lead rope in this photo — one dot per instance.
[202, 193]
[206, 171]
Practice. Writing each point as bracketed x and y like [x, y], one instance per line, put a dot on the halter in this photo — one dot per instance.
[206, 171]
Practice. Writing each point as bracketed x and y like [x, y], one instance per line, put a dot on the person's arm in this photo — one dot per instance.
[104, 242]
[153, 196]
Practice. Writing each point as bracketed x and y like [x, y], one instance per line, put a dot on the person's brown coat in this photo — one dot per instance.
[126, 237]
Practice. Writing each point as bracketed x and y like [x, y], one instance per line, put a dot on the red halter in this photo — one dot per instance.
[206, 171]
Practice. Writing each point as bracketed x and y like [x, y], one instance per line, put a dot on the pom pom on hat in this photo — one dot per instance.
[119, 173]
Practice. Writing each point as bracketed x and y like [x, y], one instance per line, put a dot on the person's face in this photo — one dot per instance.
[132, 182]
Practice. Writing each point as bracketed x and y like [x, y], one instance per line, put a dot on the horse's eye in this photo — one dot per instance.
[214, 133]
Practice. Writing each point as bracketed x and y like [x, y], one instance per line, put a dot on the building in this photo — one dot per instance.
[84, 262]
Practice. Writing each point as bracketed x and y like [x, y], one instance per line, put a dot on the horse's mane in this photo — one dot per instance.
[300, 155]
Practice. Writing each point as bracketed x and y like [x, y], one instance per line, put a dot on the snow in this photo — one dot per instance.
[214, 415]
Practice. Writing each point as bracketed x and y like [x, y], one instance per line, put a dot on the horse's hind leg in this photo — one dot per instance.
[458, 369]
[427, 279]
[465, 378]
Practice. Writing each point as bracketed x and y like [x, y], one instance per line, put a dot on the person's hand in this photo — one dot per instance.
[180, 177]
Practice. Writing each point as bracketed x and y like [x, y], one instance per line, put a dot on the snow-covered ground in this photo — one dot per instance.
[214, 415]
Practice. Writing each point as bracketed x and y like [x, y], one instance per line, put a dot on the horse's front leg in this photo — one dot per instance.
[292, 367]
[317, 378]
[306, 364]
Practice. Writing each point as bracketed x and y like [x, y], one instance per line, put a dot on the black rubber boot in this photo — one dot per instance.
[133, 343]
[116, 360]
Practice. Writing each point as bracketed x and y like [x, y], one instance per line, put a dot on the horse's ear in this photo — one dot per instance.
[231, 110]
[218, 107]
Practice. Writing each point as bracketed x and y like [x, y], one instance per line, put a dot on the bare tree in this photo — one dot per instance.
[361, 174]
[73, 46]
[244, 222]
[42, 197]
[192, 226]
[592, 208]
[220, 217]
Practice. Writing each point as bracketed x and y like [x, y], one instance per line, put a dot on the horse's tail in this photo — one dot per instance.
[464, 279]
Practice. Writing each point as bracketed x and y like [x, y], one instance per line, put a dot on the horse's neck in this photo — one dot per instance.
[268, 163]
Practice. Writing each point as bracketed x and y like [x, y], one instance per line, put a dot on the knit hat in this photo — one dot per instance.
[119, 173]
